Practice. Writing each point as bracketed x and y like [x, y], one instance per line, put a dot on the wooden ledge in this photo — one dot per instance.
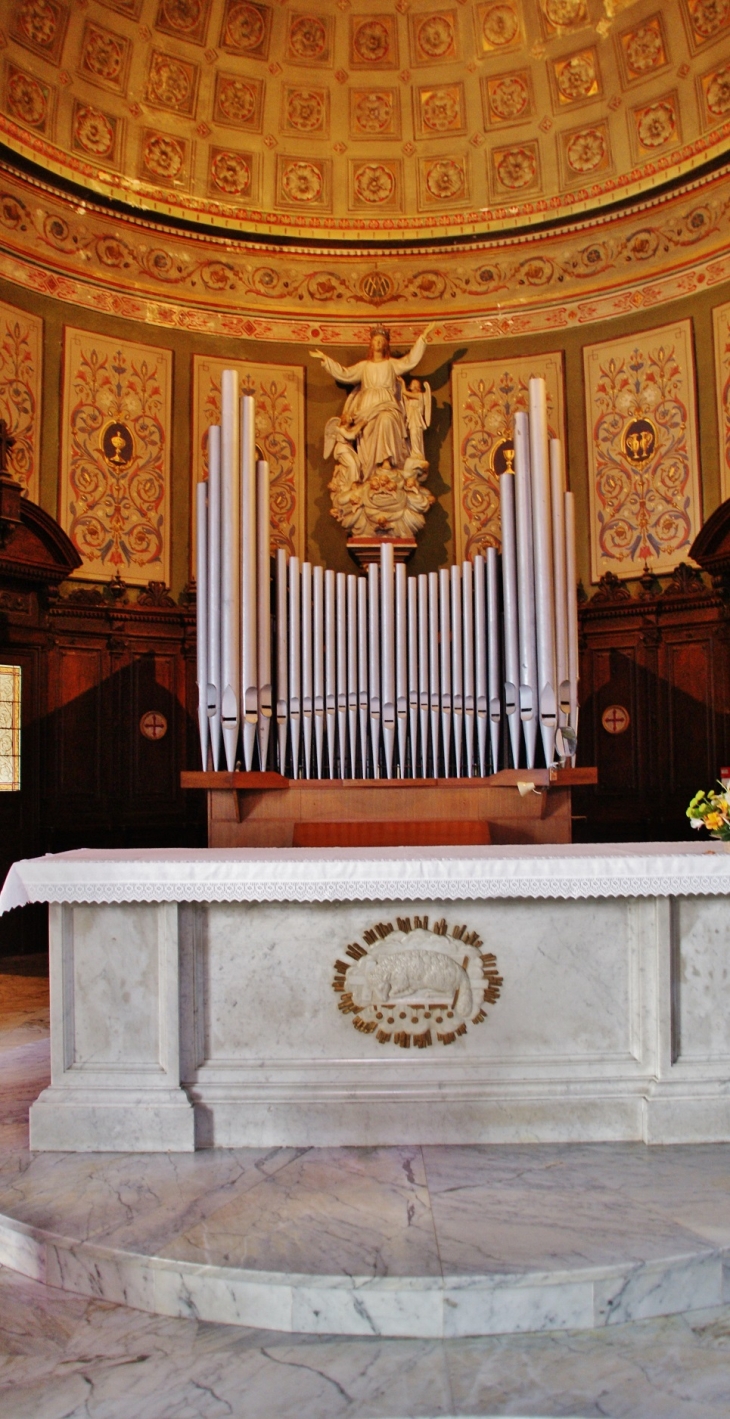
[253, 782]
[506, 778]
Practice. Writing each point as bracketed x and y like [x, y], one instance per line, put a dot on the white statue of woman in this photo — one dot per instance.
[373, 426]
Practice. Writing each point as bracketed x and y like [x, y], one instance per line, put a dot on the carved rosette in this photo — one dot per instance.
[414, 985]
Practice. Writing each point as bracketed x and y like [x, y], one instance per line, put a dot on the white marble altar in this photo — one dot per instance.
[318, 997]
[428, 1242]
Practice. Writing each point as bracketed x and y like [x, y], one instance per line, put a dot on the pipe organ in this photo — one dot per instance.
[385, 675]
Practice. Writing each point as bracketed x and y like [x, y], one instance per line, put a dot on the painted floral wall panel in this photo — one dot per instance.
[280, 434]
[115, 456]
[486, 397]
[721, 325]
[642, 451]
[21, 366]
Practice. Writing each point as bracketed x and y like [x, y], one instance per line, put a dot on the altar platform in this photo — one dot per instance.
[295, 998]
[431, 1243]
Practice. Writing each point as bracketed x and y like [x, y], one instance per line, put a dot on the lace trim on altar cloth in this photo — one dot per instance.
[385, 890]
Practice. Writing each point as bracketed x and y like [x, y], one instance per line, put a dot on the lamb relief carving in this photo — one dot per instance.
[411, 983]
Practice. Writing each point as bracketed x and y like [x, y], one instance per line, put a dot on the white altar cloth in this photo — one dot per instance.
[370, 874]
[501, 994]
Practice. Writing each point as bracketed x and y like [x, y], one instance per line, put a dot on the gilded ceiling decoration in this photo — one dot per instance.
[360, 117]
[601, 267]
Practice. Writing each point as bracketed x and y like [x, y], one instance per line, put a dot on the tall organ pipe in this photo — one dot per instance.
[352, 671]
[572, 580]
[263, 591]
[423, 682]
[445, 665]
[481, 648]
[318, 658]
[467, 582]
[510, 599]
[330, 670]
[374, 664]
[249, 652]
[295, 663]
[434, 681]
[401, 666]
[544, 578]
[230, 566]
[413, 673]
[495, 717]
[363, 701]
[387, 635]
[525, 587]
[307, 668]
[214, 592]
[457, 667]
[562, 615]
[282, 657]
[201, 625]
[341, 621]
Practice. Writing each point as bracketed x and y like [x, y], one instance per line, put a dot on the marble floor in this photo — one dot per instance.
[62, 1357]
[417, 1212]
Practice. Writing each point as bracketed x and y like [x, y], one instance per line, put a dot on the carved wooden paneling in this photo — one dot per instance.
[665, 658]
[155, 687]
[77, 675]
[613, 680]
[693, 749]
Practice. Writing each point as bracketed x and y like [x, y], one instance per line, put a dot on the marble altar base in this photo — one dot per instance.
[580, 995]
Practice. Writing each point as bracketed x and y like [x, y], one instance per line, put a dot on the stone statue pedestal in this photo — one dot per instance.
[367, 549]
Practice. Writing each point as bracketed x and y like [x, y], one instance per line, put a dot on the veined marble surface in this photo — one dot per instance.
[64, 1356]
[403, 1241]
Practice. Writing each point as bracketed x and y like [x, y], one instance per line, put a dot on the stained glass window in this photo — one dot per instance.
[9, 728]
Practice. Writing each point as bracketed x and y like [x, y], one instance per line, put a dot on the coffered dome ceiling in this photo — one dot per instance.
[365, 119]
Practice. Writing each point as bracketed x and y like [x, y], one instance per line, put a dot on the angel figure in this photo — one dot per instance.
[417, 396]
[377, 442]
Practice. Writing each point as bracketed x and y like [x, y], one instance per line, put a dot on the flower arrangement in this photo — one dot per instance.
[712, 811]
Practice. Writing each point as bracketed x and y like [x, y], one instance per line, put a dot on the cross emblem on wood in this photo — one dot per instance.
[615, 719]
[153, 725]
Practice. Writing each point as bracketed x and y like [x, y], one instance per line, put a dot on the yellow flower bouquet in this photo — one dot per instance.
[712, 811]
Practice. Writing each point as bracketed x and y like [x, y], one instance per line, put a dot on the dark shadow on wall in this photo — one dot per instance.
[91, 779]
[676, 743]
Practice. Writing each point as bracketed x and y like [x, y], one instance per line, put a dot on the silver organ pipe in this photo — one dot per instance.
[445, 664]
[412, 593]
[467, 589]
[423, 691]
[341, 633]
[282, 658]
[483, 703]
[352, 672]
[330, 671]
[415, 675]
[214, 592]
[457, 667]
[307, 668]
[295, 663]
[318, 665]
[363, 701]
[387, 650]
[493, 657]
[434, 682]
[374, 665]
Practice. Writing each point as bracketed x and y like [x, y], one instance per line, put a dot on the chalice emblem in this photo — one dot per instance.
[117, 445]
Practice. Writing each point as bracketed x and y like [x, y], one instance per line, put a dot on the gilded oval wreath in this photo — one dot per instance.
[408, 980]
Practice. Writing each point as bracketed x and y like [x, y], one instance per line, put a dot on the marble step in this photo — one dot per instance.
[413, 1306]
